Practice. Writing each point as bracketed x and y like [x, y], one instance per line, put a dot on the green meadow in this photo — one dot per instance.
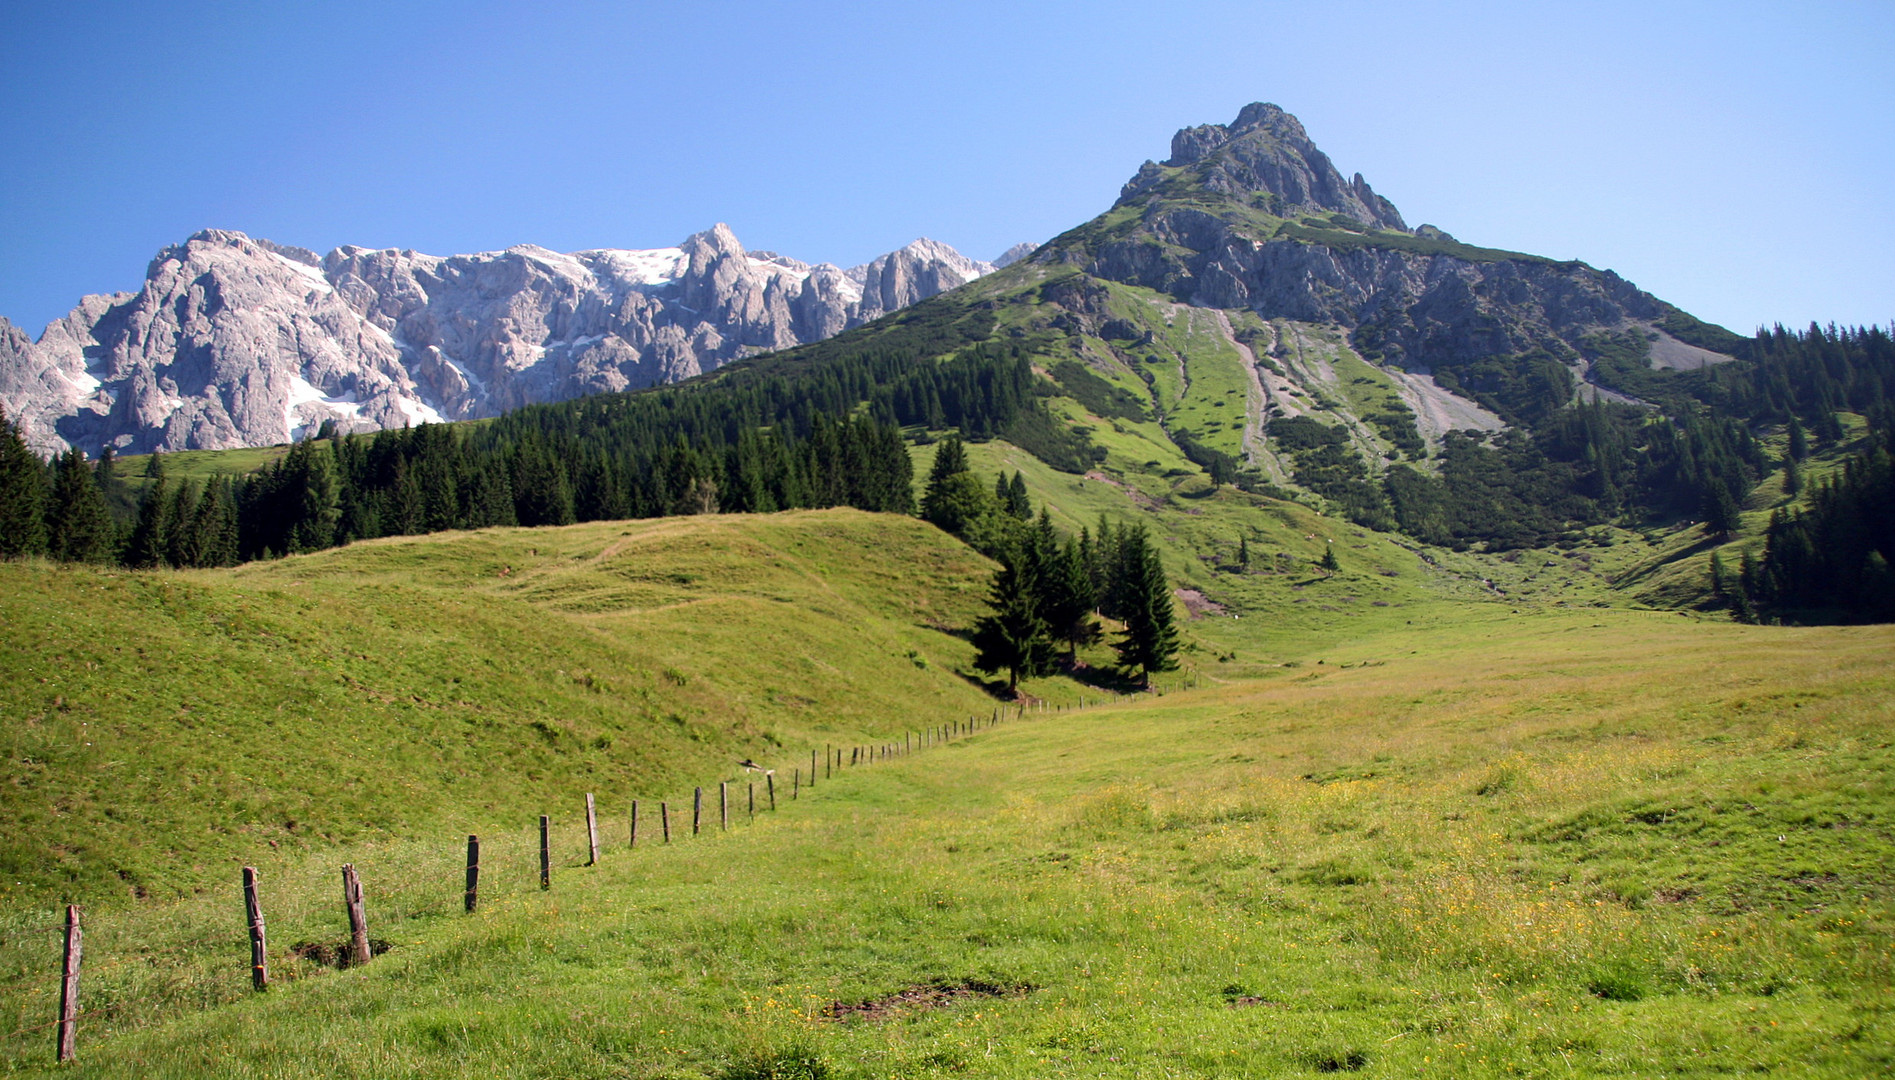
[1435, 813]
[1565, 844]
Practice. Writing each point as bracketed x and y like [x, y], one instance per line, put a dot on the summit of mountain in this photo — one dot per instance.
[236, 340]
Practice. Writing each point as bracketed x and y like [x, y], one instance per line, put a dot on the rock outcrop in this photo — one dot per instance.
[238, 341]
[1252, 215]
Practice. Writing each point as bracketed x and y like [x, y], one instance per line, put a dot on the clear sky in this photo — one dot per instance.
[1733, 158]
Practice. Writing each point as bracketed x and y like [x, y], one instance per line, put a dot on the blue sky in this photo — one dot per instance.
[1732, 158]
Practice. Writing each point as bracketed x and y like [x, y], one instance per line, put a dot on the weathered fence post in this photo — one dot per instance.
[769, 783]
[592, 832]
[69, 987]
[723, 805]
[752, 785]
[664, 820]
[826, 756]
[697, 809]
[546, 852]
[473, 872]
[253, 912]
[358, 919]
[634, 842]
[796, 783]
[812, 768]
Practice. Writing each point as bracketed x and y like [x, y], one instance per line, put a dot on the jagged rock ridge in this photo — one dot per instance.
[238, 341]
[1253, 216]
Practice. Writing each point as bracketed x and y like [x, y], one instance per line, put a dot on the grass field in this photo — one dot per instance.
[162, 725]
[1565, 844]
[1436, 812]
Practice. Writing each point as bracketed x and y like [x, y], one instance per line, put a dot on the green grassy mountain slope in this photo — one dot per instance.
[163, 725]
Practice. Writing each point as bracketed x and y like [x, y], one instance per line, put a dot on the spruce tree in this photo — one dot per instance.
[1016, 500]
[150, 540]
[79, 527]
[1721, 513]
[180, 550]
[1067, 600]
[1014, 638]
[22, 495]
[1150, 643]
[950, 462]
[1329, 562]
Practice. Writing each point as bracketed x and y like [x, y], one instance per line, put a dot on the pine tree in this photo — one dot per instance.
[1067, 600]
[1243, 553]
[22, 495]
[179, 549]
[1329, 562]
[1150, 643]
[1799, 440]
[1016, 500]
[1014, 638]
[150, 540]
[950, 462]
[1721, 514]
[79, 527]
[310, 467]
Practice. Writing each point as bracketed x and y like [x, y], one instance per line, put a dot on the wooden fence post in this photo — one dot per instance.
[634, 842]
[826, 767]
[752, 785]
[723, 805]
[546, 852]
[253, 912]
[769, 782]
[69, 987]
[664, 820]
[812, 768]
[592, 832]
[796, 784]
[473, 872]
[697, 809]
[358, 919]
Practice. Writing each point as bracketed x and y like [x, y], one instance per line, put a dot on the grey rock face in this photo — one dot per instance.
[1422, 301]
[1265, 154]
[236, 341]
[1014, 254]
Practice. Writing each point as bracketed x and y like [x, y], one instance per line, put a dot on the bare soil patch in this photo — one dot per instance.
[921, 997]
[1198, 604]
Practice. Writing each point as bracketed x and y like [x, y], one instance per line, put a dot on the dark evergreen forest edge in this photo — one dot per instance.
[829, 425]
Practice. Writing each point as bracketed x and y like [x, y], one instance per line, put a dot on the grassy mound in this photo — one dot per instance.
[163, 725]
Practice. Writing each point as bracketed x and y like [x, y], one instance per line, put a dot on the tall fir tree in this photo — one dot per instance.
[1067, 600]
[150, 540]
[1150, 643]
[79, 526]
[1014, 638]
[22, 494]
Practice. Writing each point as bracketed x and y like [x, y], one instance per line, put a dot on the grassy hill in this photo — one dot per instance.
[1547, 843]
[163, 725]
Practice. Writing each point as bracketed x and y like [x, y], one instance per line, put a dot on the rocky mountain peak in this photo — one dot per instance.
[1266, 153]
[239, 341]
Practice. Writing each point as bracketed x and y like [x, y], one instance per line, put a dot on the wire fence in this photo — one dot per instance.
[145, 965]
